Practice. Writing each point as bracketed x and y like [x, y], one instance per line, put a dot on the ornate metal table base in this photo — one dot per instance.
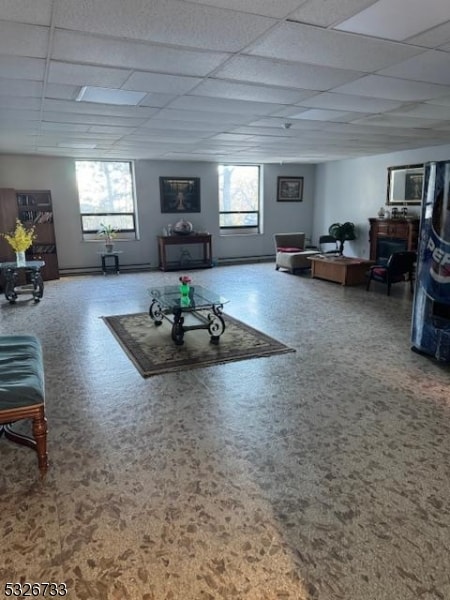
[212, 321]
[199, 309]
[35, 287]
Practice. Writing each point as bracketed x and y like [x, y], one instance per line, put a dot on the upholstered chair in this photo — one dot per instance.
[291, 253]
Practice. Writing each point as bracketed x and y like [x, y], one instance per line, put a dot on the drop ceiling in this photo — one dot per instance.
[224, 80]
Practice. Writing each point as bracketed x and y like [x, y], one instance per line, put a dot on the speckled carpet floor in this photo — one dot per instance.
[320, 474]
[153, 352]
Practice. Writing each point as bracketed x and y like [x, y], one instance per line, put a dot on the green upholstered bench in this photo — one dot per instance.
[22, 393]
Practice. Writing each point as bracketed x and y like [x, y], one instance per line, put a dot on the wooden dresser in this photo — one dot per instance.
[391, 235]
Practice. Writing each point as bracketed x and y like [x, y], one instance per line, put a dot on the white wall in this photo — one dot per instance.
[58, 175]
[354, 190]
[348, 190]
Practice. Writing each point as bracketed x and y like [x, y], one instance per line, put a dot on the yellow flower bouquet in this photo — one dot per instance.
[21, 238]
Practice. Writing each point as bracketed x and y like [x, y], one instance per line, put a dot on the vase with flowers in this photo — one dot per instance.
[20, 240]
[185, 282]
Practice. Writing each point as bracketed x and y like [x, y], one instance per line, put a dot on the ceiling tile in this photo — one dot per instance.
[17, 67]
[179, 125]
[63, 117]
[221, 105]
[164, 21]
[424, 110]
[11, 114]
[217, 88]
[383, 18]
[111, 129]
[162, 84]
[37, 12]
[94, 108]
[442, 101]
[393, 89]
[328, 12]
[19, 88]
[303, 43]
[76, 47]
[437, 36]
[203, 116]
[350, 103]
[19, 103]
[157, 100]
[431, 66]
[23, 40]
[318, 114]
[86, 75]
[296, 76]
[76, 128]
[62, 91]
[397, 121]
[267, 8]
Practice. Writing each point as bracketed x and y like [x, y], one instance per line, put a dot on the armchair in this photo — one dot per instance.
[399, 267]
[291, 253]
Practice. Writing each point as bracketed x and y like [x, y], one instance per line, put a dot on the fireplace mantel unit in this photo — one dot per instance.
[391, 235]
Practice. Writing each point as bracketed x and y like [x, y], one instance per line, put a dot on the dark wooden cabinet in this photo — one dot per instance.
[392, 235]
[35, 209]
[8, 216]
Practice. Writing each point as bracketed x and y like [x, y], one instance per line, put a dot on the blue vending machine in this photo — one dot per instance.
[430, 332]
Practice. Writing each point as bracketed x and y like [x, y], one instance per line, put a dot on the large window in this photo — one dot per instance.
[239, 198]
[106, 195]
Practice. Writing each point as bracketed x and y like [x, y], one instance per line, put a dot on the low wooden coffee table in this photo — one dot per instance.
[341, 269]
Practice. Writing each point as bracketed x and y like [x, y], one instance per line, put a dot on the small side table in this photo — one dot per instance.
[32, 269]
[107, 267]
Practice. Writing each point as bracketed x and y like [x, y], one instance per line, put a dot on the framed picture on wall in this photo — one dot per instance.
[179, 194]
[289, 189]
[405, 185]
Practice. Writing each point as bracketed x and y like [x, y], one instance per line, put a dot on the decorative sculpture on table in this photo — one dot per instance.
[183, 227]
[20, 240]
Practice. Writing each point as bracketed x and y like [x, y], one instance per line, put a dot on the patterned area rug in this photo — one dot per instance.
[153, 352]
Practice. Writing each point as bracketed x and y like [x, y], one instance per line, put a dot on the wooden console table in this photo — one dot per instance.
[343, 270]
[184, 240]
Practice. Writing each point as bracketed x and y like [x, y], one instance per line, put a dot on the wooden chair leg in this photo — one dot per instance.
[40, 435]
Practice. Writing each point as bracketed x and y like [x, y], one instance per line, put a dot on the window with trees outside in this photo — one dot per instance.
[239, 204]
[106, 196]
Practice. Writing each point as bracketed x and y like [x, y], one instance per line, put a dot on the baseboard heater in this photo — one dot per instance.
[230, 260]
[97, 270]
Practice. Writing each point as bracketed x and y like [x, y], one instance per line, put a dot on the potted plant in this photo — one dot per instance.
[109, 233]
[342, 232]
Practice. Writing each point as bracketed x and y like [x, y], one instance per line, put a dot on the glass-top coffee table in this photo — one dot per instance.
[201, 309]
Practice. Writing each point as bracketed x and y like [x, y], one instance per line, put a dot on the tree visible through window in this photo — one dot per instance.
[239, 197]
[106, 195]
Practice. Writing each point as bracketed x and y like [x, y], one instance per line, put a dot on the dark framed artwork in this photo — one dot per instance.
[180, 194]
[289, 189]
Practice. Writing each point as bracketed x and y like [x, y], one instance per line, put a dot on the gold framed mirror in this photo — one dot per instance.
[405, 185]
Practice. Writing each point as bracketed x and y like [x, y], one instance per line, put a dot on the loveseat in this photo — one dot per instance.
[291, 253]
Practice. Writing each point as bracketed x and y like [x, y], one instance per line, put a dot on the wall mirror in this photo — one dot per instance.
[405, 185]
